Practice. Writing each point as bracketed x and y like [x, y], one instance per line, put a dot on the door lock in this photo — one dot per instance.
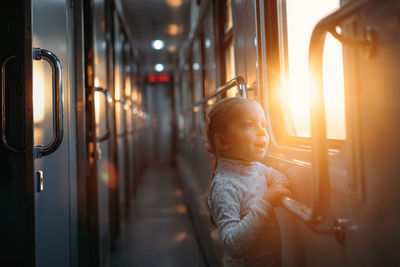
[39, 181]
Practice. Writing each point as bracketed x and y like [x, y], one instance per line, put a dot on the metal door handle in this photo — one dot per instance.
[125, 107]
[4, 140]
[45, 150]
[108, 102]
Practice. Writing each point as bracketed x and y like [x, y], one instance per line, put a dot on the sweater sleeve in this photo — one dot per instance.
[236, 233]
[273, 176]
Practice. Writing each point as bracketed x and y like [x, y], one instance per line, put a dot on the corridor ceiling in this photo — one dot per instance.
[166, 20]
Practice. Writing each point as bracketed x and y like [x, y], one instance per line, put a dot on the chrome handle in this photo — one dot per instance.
[4, 140]
[237, 81]
[108, 102]
[125, 107]
[45, 150]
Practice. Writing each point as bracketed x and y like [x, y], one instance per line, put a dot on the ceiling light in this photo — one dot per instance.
[196, 66]
[157, 44]
[174, 3]
[159, 67]
[208, 43]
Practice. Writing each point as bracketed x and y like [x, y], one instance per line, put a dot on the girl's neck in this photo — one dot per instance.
[237, 161]
[243, 168]
[231, 157]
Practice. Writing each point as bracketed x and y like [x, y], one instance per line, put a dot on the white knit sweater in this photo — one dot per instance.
[246, 223]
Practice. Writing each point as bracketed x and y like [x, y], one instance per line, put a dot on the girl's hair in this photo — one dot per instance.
[216, 121]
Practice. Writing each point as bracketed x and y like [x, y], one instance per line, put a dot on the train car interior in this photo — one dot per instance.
[105, 108]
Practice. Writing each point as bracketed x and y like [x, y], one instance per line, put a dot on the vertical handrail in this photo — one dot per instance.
[320, 168]
[40, 150]
[109, 100]
[4, 140]
[45, 150]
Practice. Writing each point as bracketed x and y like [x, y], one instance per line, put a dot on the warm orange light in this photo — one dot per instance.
[128, 86]
[134, 95]
[174, 3]
[39, 95]
[171, 48]
[117, 83]
[179, 237]
[108, 174]
[196, 109]
[97, 111]
[177, 193]
[230, 69]
[295, 85]
[180, 209]
[174, 29]
[210, 102]
[96, 82]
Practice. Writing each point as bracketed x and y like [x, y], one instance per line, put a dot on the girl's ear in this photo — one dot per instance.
[220, 142]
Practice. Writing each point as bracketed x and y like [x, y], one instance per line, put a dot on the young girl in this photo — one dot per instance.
[242, 191]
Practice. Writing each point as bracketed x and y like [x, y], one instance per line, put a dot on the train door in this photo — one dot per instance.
[54, 133]
[318, 127]
[135, 126]
[121, 109]
[127, 69]
[17, 188]
[102, 103]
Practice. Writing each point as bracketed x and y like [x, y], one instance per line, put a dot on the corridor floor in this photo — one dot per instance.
[159, 231]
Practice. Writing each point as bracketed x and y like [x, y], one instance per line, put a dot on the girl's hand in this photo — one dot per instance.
[275, 194]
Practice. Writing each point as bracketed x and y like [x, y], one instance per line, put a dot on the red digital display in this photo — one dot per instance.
[158, 78]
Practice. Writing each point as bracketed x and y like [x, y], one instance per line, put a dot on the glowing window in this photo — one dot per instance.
[230, 67]
[228, 16]
[301, 17]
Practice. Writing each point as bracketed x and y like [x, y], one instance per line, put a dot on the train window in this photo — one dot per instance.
[209, 59]
[228, 48]
[197, 83]
[196, 72]
[128, 85]
[296, 20]
[229, 62]
[228, 16]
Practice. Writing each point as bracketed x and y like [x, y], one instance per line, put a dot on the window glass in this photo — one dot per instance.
[196, 70]
[295, 89]
[230, 67]
[228, 16]
[210, 78]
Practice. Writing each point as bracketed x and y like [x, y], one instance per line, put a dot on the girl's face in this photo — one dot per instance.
[245, 137]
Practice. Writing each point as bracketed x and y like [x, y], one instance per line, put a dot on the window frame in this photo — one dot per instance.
[224, 39]
[273, 49]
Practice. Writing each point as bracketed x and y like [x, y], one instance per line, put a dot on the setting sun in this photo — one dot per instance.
[295, 86]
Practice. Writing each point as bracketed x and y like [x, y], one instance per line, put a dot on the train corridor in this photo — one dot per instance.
[159, 231]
